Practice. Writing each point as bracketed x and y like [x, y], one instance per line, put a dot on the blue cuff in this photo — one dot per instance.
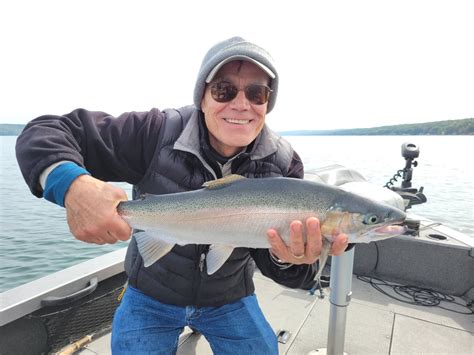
[59, 180]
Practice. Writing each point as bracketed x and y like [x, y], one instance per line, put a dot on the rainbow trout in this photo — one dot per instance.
[237, 212]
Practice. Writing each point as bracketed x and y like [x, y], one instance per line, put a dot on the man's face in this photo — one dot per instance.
[235, 124]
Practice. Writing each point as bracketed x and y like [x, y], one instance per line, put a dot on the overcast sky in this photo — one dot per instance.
[342, 64]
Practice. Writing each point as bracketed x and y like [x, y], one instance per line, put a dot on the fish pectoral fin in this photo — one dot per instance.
[229, 179]
[323, 258]
[151, 248]
[217, 256]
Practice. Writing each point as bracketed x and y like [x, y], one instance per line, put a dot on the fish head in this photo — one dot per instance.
[363, 220]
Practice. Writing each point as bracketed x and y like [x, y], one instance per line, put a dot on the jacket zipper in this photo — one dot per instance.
[201, 261]
[203, 250]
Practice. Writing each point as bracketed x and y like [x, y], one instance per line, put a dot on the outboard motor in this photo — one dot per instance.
[411, 196]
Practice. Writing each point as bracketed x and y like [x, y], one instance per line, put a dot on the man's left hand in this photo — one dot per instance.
[299, 252]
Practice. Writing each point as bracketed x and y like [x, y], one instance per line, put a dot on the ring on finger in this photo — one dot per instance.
[299, 257]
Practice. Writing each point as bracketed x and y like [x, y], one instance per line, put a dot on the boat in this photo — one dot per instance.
[409, 294]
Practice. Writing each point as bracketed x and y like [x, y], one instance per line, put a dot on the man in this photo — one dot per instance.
[66, 159]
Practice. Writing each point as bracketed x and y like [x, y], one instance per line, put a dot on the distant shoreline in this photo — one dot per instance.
[285, 134]
[462, 127]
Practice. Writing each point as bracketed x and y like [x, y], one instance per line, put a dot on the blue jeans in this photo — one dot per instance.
[143, 325]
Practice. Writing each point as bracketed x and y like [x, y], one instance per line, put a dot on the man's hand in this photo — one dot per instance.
[298, 252]
[91, 208]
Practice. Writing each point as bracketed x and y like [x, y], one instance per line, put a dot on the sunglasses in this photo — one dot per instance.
[223, 91]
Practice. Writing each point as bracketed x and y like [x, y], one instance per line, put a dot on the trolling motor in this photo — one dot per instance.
[410, 195]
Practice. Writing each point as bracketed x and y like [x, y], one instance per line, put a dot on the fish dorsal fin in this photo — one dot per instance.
[151, 249]
[227, 180]
[217, 256]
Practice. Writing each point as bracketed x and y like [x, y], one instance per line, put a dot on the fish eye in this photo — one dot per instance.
[371, 219]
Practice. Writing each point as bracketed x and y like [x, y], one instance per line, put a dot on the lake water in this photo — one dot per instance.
[35, 239]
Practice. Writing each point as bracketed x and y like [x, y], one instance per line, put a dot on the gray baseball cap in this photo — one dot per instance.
[235, 48]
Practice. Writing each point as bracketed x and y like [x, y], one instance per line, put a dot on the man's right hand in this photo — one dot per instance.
[91, 208]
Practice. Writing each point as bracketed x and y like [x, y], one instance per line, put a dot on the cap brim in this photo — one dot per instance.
[214, 71]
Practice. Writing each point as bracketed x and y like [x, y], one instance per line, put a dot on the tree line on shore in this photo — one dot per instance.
[439, 128]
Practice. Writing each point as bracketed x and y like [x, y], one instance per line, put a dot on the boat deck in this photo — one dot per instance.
[376, 324]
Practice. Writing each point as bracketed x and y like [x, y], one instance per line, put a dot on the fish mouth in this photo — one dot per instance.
[381, 233]
[390, 229]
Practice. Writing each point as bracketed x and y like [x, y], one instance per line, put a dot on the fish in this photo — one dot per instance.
[235, 211]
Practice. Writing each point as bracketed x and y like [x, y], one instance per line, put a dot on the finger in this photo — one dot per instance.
[91, 240]
[297, 247]
[339, 244]
[120, 229]
[277, 245]
[110, 238]
[115, 234]
[122, 195]
[105, 238]
[313, 238]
